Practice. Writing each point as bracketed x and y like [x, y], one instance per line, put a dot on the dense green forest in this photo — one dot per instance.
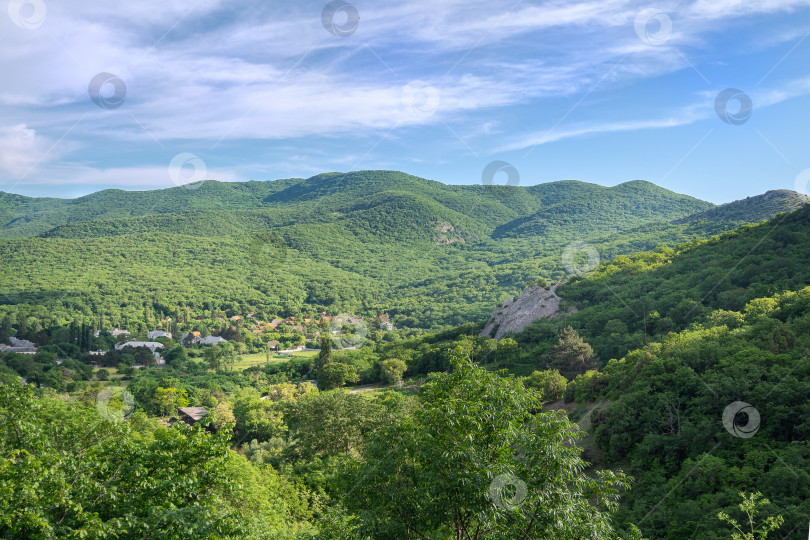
[429, 255]
[677, 386]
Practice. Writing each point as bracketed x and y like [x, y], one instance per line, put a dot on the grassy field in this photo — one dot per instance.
[249, 360]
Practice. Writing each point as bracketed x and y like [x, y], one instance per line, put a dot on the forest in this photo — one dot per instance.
[670, 405]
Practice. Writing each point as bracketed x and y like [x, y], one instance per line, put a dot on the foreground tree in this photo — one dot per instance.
[476, 460]
[749, 507]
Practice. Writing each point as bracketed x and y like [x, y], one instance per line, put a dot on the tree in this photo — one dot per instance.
[218, 356]
[571, 355]
[103, 375]
[330, 423]
[550, 383]
[335, 375]
[392, 370]
[257, 418]
[508, 351]
[325, 354]
[476, 461]
[168, 400]
[749, 508]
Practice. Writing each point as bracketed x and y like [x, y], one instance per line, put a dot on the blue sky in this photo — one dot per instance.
[600, 91]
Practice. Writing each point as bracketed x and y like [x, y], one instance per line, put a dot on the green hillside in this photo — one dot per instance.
[429, 254]
[663, 343]
[753, 209]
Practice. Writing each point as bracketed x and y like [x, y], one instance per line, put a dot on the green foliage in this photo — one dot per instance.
[665, 419]
[330, 423]
[570, 354]
[361, 242]
[391, 370]
[335, 375]
[476, 461]
[749, 508]
[550, 383]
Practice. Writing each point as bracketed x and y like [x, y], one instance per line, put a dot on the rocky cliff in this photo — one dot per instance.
[515, 315]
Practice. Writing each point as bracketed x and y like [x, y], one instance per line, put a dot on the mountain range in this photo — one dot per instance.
[428, 253]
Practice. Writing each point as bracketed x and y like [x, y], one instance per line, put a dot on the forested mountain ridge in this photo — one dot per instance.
[429, 254]
[753, 209]
[320, 197]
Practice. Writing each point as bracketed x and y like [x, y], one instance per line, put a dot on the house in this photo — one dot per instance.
[19, 346]
[154, 334]
[191, 415]
[151, 345]
[277, 321]
[307, 321]
[236, 318]
[212, 340]
[191, 338]
[273, 344]
[97, 353]
[114, 333]
[386, 326]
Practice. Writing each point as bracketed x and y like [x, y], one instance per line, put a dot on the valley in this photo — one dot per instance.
[375, 355]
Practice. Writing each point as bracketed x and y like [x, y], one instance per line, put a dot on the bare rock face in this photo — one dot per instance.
[515, 315]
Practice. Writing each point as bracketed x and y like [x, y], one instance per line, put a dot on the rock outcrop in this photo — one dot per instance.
[515, 315]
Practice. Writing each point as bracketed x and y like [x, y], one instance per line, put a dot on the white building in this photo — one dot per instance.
[114, 333]
[212, 340]
[154, 334]
[151, 345]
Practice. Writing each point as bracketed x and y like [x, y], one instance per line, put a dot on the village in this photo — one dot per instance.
[248, 334]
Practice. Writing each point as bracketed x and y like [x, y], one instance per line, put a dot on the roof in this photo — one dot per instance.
[151, 344]
[195, 413]
[212, 340]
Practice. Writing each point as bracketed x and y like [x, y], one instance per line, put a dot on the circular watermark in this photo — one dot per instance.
[508, 491]
[653, 26]
[802, 179]
[572, 260]
[108, 91]
[348, 331]
[27, 14]
[115, 404]
[495, 167]
[187, 170]
[420, 98]
[741, 115]
[730, 416]
[267, 249]
[340, 18]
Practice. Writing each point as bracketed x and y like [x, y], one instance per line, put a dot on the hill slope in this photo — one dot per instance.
[429, 254]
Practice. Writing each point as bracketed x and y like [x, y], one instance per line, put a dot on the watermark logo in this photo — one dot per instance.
[508, 492]
[27, 14]
[420, 99]
[653, 26]
[572, 259]
[802, 179]
[340, 18]
[495, 167]
[741, 115]
[115, 404]
[750, 428]
[188, 170]
[108, 91]
[348, 331]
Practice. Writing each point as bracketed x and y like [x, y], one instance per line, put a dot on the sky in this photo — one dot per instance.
[710, 97]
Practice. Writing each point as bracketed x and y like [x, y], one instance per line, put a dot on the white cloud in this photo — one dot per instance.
[20, 150]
